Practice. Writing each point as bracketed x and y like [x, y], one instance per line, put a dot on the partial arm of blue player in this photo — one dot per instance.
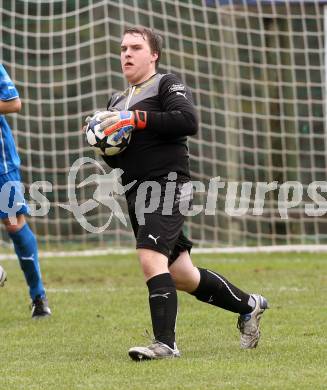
[10, 106]
[8, 90]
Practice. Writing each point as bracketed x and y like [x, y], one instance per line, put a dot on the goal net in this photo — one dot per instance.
[257, 70]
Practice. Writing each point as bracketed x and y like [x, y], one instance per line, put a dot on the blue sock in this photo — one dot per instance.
[26, 249]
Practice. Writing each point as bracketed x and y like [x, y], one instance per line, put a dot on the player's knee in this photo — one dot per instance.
[180, 284]
[184, 284]
[152, 263]
[185, 279]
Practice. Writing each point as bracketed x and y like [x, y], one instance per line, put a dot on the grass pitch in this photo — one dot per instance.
[100, 310]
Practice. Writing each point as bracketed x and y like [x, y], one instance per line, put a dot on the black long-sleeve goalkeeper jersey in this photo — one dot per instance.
[161, 147]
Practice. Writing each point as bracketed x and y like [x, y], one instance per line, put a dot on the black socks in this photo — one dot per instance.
[163, 308]
[218, 291]
[213, 288]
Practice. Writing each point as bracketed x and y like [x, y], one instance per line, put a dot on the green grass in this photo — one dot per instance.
[100, 309]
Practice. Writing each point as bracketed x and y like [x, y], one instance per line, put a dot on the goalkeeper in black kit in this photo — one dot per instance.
[159, 111]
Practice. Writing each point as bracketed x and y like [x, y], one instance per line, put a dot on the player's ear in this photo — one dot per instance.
[154, 56]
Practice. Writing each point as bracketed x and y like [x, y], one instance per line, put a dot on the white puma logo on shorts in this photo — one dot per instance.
[153, 238]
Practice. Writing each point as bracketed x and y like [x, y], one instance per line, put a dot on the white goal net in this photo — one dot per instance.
[257, 70]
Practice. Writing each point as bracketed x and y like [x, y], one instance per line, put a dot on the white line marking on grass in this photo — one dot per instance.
[70, 290]
[127, 251]
[83, 290]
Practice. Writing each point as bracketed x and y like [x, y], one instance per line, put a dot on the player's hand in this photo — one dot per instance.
[87, 121]
[122, 122]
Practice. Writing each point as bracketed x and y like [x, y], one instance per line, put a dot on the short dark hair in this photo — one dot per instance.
[155, 40]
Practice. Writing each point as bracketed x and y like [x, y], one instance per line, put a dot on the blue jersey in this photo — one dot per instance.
[9, 158]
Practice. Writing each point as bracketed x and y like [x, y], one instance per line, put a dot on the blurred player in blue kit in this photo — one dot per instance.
[13, 206]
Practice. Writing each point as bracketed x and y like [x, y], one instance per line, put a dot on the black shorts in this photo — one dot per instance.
[160, 229]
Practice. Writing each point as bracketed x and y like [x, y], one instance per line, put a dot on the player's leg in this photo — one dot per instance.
[155, 239]
[211, 287]
[163, 307]
[25, 243]
[162, 299]
[162, 295]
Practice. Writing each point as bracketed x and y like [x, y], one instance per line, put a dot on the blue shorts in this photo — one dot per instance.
[12, 201]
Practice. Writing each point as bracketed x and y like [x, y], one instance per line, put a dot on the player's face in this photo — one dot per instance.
[137, 61]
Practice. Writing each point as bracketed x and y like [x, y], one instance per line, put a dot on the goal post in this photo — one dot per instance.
[257, 70]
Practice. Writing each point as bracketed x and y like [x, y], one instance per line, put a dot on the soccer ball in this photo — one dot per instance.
[104, 144]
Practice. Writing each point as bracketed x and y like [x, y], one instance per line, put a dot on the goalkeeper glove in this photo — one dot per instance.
[123, 122]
